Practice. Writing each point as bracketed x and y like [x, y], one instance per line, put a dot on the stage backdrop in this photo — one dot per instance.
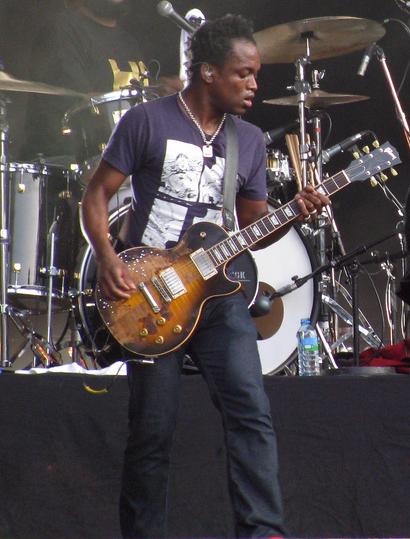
[363, 214]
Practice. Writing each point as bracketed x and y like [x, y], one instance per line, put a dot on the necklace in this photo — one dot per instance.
[207, 150]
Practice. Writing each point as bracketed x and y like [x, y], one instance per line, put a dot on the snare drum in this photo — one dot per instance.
[91, 124]
[41, 202]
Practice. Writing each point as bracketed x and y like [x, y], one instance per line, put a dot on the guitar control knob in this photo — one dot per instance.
[177, 329]
[159, 340]
[161, 321]
[143, 332]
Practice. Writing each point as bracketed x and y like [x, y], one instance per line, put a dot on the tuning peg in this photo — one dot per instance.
[383, 177]
[356, 155]
[394, 172]
[376, 144]
[366, 149]
[373, 182]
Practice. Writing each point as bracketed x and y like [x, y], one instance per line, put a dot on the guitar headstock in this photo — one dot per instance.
[374, 162]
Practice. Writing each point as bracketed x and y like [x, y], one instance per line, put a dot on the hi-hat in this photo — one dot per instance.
[317, 99]
[11, 84]
[326, 37]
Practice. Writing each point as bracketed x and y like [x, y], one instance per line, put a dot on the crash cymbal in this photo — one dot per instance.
[317, 99]
[11, 84]
[328, 37]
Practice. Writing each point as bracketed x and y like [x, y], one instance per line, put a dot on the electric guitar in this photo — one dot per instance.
[172, 285]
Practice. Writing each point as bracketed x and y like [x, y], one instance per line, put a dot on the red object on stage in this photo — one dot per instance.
[395, 355]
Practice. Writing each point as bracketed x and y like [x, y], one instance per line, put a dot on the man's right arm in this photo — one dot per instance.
[113, 275]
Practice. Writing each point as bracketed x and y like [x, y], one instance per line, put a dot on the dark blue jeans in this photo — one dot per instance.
[224, 348]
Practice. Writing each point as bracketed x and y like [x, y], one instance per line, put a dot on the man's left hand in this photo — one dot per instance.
[310, 203]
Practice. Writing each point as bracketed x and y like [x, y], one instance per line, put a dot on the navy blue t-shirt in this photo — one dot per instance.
[173, 184]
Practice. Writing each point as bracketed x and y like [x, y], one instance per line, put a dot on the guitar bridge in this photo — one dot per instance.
[172, 282]
[161, 289]
[204, 264]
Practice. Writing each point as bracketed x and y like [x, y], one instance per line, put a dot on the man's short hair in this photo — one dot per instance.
[212, 42]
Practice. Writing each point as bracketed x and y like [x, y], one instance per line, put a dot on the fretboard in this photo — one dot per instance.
[247, 237]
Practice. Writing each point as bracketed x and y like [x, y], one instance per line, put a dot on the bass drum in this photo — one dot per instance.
[293, 255]
[97, 341]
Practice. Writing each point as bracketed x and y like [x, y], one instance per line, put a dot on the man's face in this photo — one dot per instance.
[107, 8]
[234, 84]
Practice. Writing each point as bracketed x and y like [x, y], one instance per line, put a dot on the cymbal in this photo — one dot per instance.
[328, 37]
[317, 99]
[11, 84]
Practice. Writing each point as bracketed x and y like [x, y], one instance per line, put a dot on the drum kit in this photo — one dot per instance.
[48, 272]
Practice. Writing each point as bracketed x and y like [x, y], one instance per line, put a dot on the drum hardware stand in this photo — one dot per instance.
[51, 272]
[4, 234]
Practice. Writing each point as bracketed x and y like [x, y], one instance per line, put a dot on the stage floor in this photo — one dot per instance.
[344, 448]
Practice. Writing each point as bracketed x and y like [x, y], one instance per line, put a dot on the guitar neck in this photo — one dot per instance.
[238, 242]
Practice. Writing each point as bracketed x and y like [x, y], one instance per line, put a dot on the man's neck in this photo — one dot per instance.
[200, 106]
[103, 21]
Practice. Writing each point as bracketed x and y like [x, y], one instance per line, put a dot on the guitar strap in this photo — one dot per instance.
[230, 176]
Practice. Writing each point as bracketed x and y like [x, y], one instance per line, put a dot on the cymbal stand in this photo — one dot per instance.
[4, 234]
[381, 56]
[302, 88]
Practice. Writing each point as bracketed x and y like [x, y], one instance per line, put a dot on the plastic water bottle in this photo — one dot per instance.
[308, 349]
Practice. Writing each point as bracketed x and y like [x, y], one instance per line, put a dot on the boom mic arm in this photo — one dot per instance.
[165, 9]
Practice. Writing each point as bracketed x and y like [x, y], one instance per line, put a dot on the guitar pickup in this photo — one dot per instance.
[172, 282]
[204, 264]
[161, 289]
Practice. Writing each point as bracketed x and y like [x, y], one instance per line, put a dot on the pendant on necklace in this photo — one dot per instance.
[207, 150]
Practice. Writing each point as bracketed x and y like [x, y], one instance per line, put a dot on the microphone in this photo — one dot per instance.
[368, 53]
[275, 134]
[263, 302]
[341, 146]
[165, 9]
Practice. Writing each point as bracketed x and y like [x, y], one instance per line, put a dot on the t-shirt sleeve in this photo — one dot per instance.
[125, 148]
[253, 185]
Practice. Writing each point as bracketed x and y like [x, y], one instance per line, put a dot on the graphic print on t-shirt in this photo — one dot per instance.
[189, 192]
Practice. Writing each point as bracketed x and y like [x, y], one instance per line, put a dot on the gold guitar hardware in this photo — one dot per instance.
[161, 321]
[159, 340]
[143, 332]
[21, 188]
[177, 329]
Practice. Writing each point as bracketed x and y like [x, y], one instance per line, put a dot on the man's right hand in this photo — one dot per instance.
[114, 278]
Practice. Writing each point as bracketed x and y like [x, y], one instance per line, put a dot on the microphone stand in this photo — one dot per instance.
[351, 262]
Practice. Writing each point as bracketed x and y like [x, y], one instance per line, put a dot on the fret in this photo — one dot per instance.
[256, 230]
[295, 208]
[223, 247]
[232, 245]
[274, 220]
[288, 211]
[251, 237]
[267, 225]
[242, 240]
[218, 255]
[212, 256]
[237, 240]
[281, 216]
